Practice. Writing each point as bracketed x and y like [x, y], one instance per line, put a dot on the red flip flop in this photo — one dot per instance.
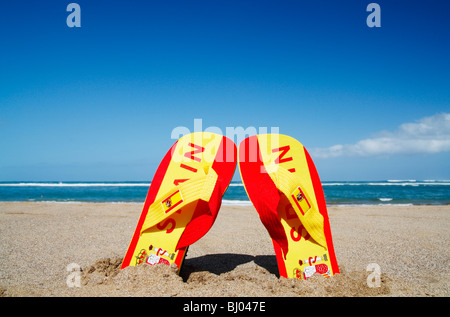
[183, 199]
[282, 182]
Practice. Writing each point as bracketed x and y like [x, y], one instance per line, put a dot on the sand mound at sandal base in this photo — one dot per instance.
[104, 278]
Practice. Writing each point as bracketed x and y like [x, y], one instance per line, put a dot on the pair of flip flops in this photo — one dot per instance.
[280, 179]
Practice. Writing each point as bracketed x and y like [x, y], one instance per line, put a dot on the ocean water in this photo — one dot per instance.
[399, 192]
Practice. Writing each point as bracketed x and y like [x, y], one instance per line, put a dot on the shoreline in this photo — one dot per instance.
[240, 203]
[235, 258]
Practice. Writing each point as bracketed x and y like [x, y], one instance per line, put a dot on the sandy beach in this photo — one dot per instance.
[42, 244]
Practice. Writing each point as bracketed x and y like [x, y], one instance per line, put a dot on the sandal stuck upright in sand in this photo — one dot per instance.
[183, 199]
[282, 182]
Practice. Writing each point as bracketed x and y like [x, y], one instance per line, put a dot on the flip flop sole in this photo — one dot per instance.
[192, 155]
[259, 158]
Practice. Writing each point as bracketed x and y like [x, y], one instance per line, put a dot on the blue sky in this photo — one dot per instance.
[99, 102]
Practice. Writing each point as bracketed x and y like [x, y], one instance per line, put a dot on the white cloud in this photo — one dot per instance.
[427, 135]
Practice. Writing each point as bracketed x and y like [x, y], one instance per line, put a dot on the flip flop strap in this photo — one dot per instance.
[197, 188]
[306, 210]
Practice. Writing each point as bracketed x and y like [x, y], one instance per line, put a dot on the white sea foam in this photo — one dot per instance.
[385, 199]
[367, 205]
[75, 184]
[103, 184]
[390, 184]
[227, 202]
[78, 202]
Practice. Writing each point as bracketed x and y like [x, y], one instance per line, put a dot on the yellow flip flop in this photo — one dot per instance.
[282, 182]
[183, 199]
